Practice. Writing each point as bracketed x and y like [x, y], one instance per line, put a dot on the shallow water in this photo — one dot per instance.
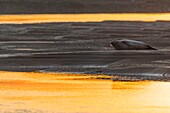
[37, 18]
[71, 93]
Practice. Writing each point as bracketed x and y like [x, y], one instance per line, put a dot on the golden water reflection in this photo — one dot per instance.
[69, 93]
[36, 18]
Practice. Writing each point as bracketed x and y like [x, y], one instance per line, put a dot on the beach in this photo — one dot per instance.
[70, 67]
[83, 6]
[84, 47]
[55, 56]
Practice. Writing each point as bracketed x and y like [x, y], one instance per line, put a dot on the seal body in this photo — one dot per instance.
[127, 44]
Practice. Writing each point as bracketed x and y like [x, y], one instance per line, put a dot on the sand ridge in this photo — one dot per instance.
[84, 47]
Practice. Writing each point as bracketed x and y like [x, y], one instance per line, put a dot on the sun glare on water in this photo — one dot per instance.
[70, 93]
[37, 18]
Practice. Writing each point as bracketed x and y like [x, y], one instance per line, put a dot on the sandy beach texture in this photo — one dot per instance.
[83, 6]
[85, 48]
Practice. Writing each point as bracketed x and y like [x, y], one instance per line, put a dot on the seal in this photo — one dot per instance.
[127, 44]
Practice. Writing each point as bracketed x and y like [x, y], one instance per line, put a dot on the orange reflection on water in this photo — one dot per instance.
[48, 93]
[37, 18]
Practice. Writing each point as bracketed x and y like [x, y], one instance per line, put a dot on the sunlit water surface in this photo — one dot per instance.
[36, 18]
[70, 93]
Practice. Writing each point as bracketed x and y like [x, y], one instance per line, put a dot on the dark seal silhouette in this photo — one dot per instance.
[127, 44]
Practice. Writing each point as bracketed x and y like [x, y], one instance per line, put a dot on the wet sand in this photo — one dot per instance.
[55, 93]
[83, 6]
[84, 47]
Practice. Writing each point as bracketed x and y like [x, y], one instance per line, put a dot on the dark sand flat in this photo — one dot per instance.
[85, 48]
[83, 6]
